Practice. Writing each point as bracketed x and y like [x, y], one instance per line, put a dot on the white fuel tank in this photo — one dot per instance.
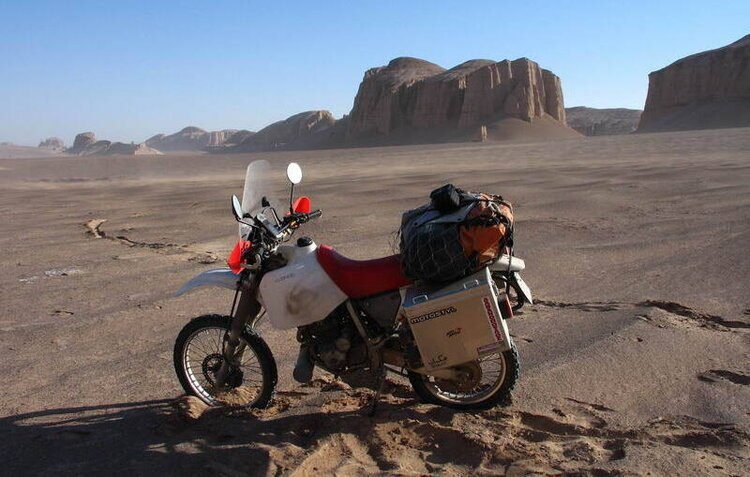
[301, 292]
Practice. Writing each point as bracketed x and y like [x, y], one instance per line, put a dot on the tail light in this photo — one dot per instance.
[236, 257]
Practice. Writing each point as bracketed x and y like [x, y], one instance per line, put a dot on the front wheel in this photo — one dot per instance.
[198, 356]
[495, 376]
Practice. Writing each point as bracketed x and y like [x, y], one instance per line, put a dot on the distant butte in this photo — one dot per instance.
[410, 95]
[305, 130]
[190, 138]
[86, 144]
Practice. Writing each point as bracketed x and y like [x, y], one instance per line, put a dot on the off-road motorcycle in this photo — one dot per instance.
[353, 318]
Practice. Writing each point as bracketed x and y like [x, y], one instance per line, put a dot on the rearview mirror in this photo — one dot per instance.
[237, 209]
[294, 173]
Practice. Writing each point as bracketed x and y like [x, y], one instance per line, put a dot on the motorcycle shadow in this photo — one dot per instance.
[151, 438]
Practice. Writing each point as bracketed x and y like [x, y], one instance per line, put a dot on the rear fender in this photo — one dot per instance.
[506, 263]
[523, 288]
[220, 277]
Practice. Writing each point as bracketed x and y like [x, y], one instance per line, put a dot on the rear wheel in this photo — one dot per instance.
[198, 356]
[491, 380]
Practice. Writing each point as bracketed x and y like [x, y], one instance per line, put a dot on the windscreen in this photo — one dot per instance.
[263, 180]
[258, 183]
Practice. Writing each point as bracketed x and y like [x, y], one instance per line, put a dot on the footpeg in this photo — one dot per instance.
[303, 368]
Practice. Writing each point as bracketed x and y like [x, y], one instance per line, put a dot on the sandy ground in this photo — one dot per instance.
[634, 361]
[19, 152]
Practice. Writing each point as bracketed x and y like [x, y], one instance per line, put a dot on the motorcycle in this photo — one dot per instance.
[357, 320]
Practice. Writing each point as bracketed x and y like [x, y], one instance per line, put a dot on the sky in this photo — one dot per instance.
[130, 69]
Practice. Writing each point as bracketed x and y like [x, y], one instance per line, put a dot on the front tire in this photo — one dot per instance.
[483, 397]
[198, 353]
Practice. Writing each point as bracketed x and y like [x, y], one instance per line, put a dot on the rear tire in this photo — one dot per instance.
[429, 393]
[194, 368]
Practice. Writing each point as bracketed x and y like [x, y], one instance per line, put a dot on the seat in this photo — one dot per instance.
[362, 278]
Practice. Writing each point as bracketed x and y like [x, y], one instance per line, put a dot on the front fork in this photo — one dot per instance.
[248, 310]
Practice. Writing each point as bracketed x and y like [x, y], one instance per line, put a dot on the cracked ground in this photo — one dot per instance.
[633, 361]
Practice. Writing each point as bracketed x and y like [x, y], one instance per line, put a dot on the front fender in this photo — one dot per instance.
[220, 277]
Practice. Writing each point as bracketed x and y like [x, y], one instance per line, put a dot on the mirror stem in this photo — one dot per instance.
[291, 200]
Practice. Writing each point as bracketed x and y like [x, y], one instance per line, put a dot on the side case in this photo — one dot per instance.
[301, 292]
[458, 323]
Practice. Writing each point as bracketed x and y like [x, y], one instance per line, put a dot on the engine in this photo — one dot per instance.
[334, 342]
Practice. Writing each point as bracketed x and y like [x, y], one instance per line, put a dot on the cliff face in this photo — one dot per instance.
[706, 90]
[602, 122]
[410, 93]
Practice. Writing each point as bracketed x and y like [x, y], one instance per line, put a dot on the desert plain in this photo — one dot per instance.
[634, 359]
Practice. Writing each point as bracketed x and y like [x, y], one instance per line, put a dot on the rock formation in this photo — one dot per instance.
[239, 137]
[302, 130]
[602, 122]
[702, 91]
[131, 149]
[82, 141]
[53, 143]
[413, 94]
[85, 144]
[190, 138]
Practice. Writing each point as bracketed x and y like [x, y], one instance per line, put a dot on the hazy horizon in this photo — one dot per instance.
[129, 71]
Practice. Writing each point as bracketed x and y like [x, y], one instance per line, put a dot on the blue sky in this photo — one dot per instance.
[131, 69]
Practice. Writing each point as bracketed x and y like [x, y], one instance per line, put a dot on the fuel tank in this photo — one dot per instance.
[301, 292]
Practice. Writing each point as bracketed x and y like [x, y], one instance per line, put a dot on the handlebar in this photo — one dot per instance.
[291, 222]
[314, 214]
[301, 217]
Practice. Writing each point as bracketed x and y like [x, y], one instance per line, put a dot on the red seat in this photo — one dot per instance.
[362, 278]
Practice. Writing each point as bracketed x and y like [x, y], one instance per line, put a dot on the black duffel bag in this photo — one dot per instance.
[431, 244]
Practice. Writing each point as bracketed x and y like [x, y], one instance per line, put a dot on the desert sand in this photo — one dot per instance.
[12, 151]
[634, 359]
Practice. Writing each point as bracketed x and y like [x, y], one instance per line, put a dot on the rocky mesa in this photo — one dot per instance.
[602, 122]
[86, 144]
[703, 91]
[411, 95]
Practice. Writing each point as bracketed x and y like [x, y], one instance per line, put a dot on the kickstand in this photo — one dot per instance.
[376, 398]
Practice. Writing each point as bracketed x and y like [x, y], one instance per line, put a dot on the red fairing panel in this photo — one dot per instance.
[362, 278]
[234, 261]
[303, 205]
